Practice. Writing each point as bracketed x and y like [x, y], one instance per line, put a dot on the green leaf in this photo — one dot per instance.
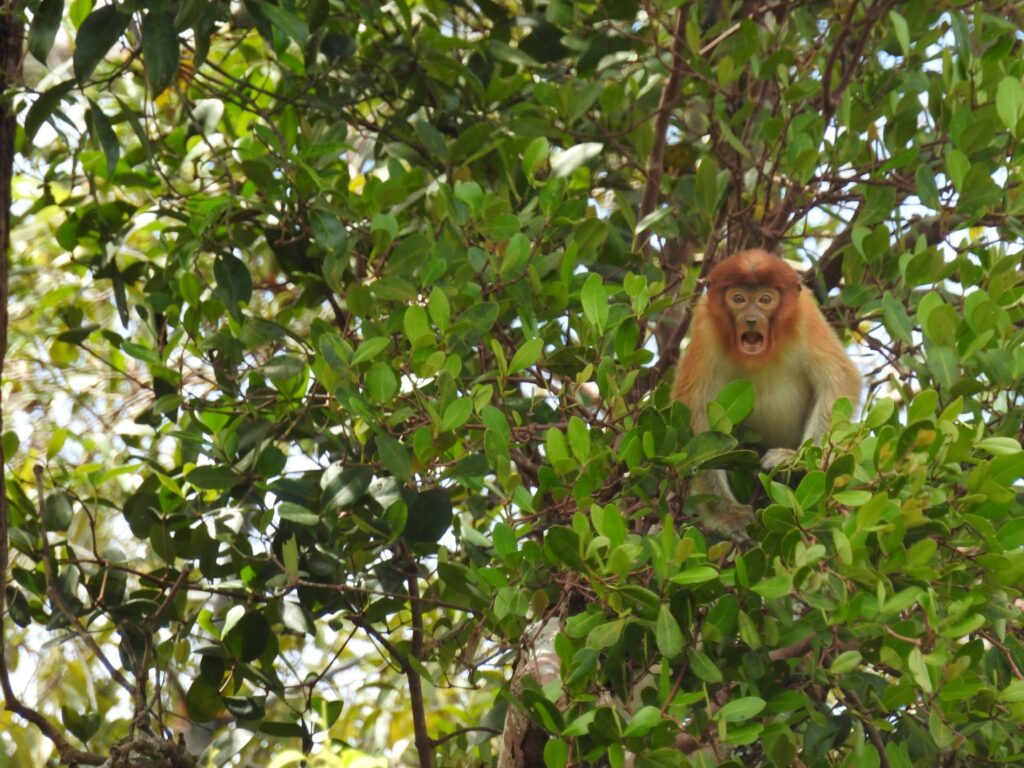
[899, 26]
[668, 635]
[297, 514]
[97, 35]
[775, 587]
[45, 23]
[395, 457]
[707, 186]
[430, 517]
[439, 308]
[416, 326]
[381, 382]
[556, 754]
[704, 668]
[605, 635]
[57, 511]
[563, 546]
[432, 140]
[248, 638]
[999, 446]
[203, 701]
[82, 725]
[579, 438]
[103, 134]
[926, 188]
[564, 163]
[343, 486]
[1010, 103]
[919, 669]
[246, 708]
[1012, 693]
[526, 355]
[234, 283]
[696, 575]
[595, 302]
[457, 413]
[741, 709]
[286, 21]
[737, 399]
[334, 351]
[536, 153]
[329, 233]
[944, 366]
[643, 721]
[896, 320]
[369, 349]
[847, 661]
[213, 477]
[160, 50]
[43, 107]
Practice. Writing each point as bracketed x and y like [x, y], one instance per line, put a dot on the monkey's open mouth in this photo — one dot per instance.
[752, 342]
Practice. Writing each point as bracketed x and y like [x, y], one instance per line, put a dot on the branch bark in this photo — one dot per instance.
[656, 161]
[424, 744]
[10, 77]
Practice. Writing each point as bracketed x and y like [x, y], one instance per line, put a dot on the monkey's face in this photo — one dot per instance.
[751, 309]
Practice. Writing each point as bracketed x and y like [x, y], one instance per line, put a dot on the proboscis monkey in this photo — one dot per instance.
[756, 323]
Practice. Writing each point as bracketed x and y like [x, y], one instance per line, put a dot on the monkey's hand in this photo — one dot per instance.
[729, 518]
[777, 456]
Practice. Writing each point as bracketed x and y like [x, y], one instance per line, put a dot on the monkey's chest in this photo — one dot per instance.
[782, 405]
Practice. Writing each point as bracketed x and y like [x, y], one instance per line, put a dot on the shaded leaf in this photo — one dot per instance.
[96, 36]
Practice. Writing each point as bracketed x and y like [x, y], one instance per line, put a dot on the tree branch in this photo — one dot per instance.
[656, 160]
[10, 73]
[58, 599]
[424, 744]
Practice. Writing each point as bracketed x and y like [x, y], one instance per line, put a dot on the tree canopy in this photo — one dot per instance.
[337, 341]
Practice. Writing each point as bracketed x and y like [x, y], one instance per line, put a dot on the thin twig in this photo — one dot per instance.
[424, 744]
[58, 599]
[655, 161]
[10, 72]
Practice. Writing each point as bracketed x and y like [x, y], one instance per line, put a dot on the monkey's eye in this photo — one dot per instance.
[765, 298]
[738, 298]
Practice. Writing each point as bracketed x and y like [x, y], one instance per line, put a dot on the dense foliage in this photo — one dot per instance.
[341, 334]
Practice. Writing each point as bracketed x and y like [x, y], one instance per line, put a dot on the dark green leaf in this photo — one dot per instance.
[160, 50]
[103, 134]
[43, 107]
[248, 637]
[395, 457]
[381, 382]
[45, 23]
[212, 477]
[97, 35]
[234, 283]
[344, 486]
[668, 635]
[203, 701]
[429, 517]
[57, 511]
[82, 724]
[896, 320]
[246, 707]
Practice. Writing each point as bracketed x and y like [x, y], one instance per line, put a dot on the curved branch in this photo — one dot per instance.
[656, 161]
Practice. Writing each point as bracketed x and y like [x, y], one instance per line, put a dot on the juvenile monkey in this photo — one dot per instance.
[756, 323]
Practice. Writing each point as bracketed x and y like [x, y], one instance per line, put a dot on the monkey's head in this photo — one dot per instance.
[752, 300]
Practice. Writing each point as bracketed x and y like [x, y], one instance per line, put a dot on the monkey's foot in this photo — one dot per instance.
[777, 456]
[729, 519]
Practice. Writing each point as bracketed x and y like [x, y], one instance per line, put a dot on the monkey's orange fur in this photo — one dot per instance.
[756, 323]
